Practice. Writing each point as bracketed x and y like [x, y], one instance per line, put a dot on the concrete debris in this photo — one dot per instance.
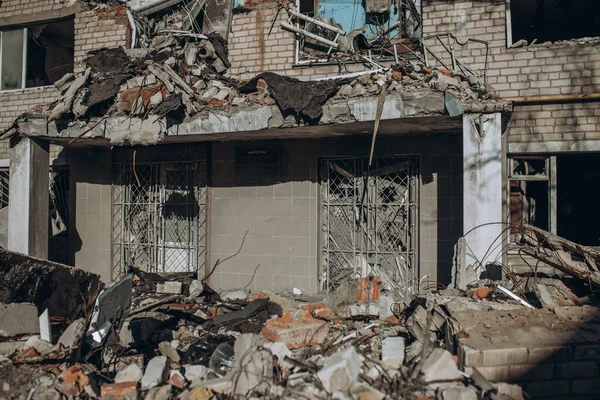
[196, 288]
[440, 366]
[358, 342]
[156, 372]
[18, 319]
[340, 370]
[72, 337]
[392, 352]
[169, 287]
[131, 373]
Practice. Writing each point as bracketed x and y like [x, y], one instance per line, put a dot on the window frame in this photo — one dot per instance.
[325, 61]
[25, 31]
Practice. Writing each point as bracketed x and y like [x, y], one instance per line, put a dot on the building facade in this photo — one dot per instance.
[299, 207]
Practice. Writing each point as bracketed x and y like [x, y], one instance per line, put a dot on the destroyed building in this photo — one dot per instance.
[302, 147]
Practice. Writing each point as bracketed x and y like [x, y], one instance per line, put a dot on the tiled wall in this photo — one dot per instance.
[282, 219]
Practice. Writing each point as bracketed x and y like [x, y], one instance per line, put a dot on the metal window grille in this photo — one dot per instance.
[4, 180]
[159, 216]
[369, 221]
[59, 199]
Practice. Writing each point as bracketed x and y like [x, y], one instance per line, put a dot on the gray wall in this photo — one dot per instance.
[282, 219]
[90, 222]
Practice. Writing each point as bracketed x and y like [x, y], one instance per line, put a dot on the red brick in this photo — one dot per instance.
[296, 333]
[74, 380]
[481, 293]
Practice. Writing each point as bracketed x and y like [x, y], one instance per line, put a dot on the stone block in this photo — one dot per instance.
[585, 386]
[587, 352]
[544, 355]
[516, 373]
[469, 357]
[392, 352]
[18, 319]
[501, 356]
[340, 370]
[440, 366]
[547, 389]
[585, 369]
[169, 287]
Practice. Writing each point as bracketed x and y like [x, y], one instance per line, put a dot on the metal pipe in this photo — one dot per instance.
[554, 98]
[291, 28]
[133, 29]
[317, 22]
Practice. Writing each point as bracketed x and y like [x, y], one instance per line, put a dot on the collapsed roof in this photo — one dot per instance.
[179, 78]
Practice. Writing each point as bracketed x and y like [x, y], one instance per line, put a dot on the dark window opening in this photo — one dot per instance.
[50, 50]
[529, 192]
[528, 204]
[554, 20]
[578, 191]
[37, 55]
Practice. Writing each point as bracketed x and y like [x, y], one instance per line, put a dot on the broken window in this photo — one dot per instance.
[37, 55]
[370, 29]
[552, 20]
[529, 184]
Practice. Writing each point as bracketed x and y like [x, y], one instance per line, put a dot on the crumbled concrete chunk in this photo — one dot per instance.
[131, 373]
[18, 319]
[169, 287]
[340, 370]
[196, 288]
[392, 351]
[156, 372]
[440, 366]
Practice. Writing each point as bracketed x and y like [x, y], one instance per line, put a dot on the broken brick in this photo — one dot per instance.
[368, 289]
[177, 380]
[74, 381]
[118, 389]
[427, 70]
[481, 293]
[261, 84]
[30, 352]
[312, 307]
[306, 331]
[324, 313]
[396, 75]
[269, 101]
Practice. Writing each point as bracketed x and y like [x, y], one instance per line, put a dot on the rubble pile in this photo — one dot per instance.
[178, 73]
[173, 337]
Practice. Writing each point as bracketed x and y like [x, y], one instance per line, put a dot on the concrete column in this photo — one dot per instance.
[28, 201]
[482, 180]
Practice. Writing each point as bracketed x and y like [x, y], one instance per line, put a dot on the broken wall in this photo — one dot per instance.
[94, 29]
[252, 50]
[561, 68]
[282, 219]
